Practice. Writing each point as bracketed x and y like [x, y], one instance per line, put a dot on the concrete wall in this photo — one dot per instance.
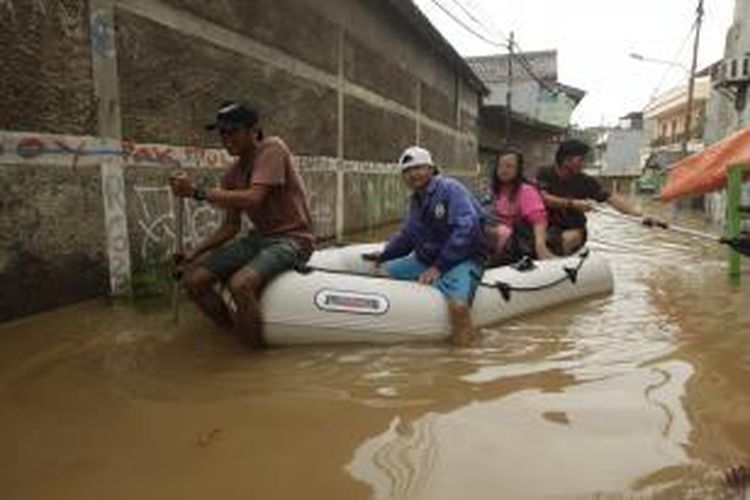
[52, 244]
[45, 67]
[187, 77]
[154, 71]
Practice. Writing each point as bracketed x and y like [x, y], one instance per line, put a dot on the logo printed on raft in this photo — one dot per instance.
[351, 302]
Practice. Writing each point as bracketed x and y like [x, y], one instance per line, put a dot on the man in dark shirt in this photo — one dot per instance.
[569, 193]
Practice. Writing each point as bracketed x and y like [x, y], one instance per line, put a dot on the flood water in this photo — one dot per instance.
[644, 393]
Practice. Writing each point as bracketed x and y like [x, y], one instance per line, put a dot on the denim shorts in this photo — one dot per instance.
[268, 256]
[459, 283]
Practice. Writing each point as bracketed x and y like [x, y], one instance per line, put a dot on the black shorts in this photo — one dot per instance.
[554, 238]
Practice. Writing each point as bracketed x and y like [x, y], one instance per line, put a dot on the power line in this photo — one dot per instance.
[465, 26]
[523, 60]
[488, 17]
[525, 63]
[676, 57]
[479, 22]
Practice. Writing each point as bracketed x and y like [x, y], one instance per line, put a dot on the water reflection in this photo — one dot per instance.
[591, 438]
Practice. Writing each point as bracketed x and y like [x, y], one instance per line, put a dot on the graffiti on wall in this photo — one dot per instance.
[156, 209]
[74, 151]
[116, 224]
[67, 15]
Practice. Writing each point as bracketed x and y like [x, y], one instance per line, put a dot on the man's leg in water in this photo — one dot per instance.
[459, 285]
[200, 283]
[462, 331]
[246, 285]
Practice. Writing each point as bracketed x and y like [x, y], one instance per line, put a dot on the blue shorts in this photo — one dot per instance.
[459, 283]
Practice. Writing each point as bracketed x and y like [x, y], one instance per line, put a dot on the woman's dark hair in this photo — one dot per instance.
[515, 184]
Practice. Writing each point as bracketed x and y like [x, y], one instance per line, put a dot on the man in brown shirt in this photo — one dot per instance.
[265, 184]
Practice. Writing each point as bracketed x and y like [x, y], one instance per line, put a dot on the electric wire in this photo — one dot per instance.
[518, 56]
[465, 26]
[479, 22]
[676, 57]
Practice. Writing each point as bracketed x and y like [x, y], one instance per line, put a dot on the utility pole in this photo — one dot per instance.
[691, 82]
[509, 93]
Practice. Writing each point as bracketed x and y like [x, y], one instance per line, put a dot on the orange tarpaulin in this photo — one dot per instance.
[706, 171]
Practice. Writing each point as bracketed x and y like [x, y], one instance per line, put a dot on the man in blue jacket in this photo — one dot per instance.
[441, 242]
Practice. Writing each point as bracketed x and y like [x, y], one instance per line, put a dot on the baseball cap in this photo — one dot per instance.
[234, 115]
[415, 156]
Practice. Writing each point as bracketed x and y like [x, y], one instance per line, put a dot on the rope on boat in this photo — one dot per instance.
[503, 288]
[526, 264]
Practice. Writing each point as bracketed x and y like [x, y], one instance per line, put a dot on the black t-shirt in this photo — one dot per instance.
[579, 187]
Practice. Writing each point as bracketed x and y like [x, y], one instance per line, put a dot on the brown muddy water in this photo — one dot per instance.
[641, 394]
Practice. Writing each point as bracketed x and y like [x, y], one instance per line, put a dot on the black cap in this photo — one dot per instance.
[234, 115]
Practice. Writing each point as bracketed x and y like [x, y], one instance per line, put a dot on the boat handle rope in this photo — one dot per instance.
[503, 288]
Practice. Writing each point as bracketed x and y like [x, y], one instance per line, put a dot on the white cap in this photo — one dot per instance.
[415, 156]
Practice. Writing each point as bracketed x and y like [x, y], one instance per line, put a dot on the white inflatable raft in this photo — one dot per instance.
[341, 299]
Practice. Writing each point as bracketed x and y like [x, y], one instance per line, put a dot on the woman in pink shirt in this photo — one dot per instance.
[520, 213]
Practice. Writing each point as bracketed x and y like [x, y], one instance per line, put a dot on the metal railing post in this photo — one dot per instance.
[735, 215]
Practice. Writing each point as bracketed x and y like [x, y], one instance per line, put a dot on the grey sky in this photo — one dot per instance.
[593, 39]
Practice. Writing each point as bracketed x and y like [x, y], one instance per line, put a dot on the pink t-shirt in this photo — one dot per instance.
[528, 206]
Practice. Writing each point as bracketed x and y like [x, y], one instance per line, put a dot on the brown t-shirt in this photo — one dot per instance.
[285, 211]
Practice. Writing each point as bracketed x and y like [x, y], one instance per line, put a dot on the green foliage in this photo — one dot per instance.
[152, 281]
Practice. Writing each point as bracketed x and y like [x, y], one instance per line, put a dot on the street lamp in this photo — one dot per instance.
[691, 87]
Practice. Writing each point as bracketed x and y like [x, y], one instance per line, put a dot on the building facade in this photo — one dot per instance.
[536, 116]
[728, 108]
[665, 118]
[617, 152]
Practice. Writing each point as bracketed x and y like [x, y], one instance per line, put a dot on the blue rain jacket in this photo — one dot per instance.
[443, 226]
